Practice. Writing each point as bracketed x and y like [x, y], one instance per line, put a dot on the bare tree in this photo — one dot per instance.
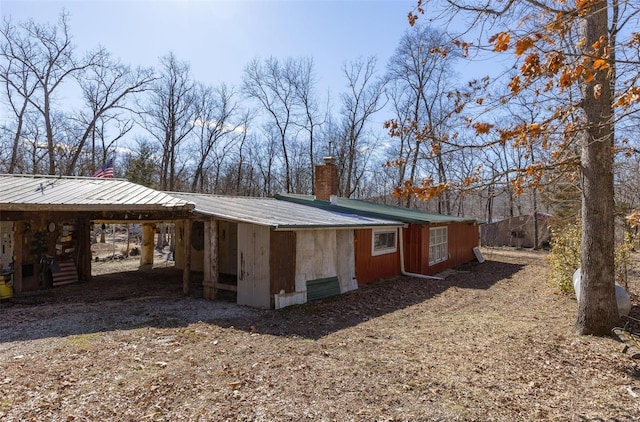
[278, 88]
[19, 85]
[106, 86]
[244, 169]
[364, 98]
[311, 115]
[267, 166]
[169, 114]
[45, 56]
[422, 80]
[35, 155]
[215, 110]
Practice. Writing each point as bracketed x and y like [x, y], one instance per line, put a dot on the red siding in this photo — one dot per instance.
[372, 268]
[416, 248]
[462, 238]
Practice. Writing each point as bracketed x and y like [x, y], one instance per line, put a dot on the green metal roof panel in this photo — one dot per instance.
[362, 207]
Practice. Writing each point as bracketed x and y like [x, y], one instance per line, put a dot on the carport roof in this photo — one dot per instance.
[80, 194]
[279, 215]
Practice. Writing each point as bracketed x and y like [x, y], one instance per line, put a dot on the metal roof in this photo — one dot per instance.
[278, 214]
[61, 193]
[365, 208]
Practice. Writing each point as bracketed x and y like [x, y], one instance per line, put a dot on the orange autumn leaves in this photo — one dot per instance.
[428, 188]
[544, 67]
[554, 64]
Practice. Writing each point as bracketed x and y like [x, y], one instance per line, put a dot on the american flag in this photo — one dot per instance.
[106, 170]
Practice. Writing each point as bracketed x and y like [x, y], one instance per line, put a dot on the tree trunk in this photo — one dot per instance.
[351, 156]
[414, 166]
[444, 200]
[536, 228]
[49, 132]
[597, 308]
[18, 136]
[287, 166]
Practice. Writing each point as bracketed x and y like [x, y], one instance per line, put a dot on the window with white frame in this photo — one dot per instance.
[438, 245]
[384, 241]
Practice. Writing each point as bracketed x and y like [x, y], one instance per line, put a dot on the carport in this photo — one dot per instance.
[45, 224]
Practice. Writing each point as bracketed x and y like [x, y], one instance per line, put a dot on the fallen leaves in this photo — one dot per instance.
[492, 343]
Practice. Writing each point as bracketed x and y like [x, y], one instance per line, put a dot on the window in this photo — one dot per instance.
[384, 241]
[438, 245]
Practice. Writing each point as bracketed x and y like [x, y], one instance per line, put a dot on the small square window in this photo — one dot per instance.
[383, 242]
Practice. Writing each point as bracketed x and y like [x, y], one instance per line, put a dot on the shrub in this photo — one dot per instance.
[622, 255]
[564, 257]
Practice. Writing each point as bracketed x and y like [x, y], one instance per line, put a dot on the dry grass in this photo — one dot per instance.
[493, 342]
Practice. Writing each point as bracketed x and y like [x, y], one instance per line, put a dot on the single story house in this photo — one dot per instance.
[272, 253]
[427, 244]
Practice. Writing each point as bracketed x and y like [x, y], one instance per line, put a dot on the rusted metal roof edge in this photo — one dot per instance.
[91, 207]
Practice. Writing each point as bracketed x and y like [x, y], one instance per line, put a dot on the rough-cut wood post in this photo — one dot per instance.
[83, 248]
[210, 260]
[18, 244]
[186, 270]
[148, 234]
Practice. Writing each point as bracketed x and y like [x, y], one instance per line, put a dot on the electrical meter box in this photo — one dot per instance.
[6, 245]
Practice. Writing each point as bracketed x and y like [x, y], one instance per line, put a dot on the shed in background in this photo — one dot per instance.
[519, 232]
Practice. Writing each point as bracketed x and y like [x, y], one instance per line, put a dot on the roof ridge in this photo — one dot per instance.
[58, 176]
[217, 195]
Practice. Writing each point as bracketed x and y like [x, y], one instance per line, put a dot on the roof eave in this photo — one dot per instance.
[327, 205]
[94, 207]
[292, 227]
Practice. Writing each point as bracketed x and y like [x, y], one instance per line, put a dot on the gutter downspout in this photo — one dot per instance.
[402, 271]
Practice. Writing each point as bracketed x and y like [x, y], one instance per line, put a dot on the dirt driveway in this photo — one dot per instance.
[490, 342]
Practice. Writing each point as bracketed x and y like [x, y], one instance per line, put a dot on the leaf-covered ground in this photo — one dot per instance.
[490, 342]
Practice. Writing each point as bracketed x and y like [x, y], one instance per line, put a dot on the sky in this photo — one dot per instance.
[219, 38]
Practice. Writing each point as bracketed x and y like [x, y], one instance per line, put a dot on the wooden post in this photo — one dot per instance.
[211, 270]
[148, 234]
[186, 270]
[83, 248]
[18, 245]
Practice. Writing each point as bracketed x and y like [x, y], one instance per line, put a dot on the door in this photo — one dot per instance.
[253, 266]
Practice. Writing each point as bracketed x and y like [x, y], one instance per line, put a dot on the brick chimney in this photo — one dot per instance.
[326, 179]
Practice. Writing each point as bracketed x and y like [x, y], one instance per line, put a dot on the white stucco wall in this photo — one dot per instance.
[316, 256]
[346, 256]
